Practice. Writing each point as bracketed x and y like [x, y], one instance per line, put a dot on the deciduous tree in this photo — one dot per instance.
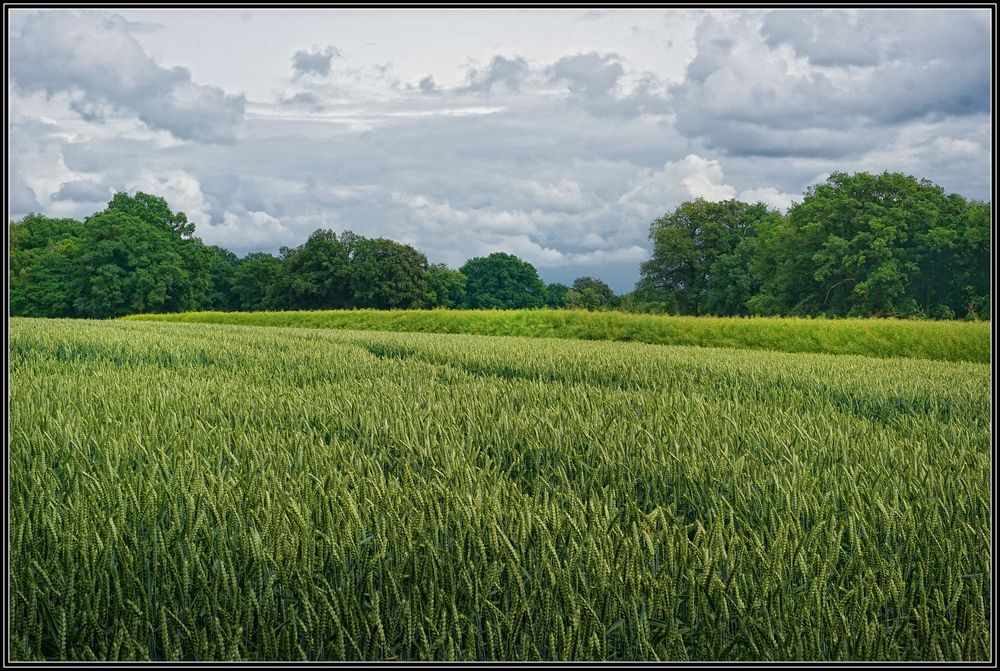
[502, 281]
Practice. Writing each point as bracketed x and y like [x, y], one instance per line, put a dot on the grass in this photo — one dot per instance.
[206, 492]
[939, 340]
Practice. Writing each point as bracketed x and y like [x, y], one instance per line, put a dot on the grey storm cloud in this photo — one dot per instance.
[83, 191]
[91, 110]
[22, 200]
[593, 79]
[508, 72]
[591, 75]
[427, 86]
[916, 65]
[92, 55]
[314, 62]
[837, 39]
[712, 55]
[303, 99]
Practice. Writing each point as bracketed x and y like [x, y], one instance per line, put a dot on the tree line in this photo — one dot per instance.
[137, 255]
[857, 245]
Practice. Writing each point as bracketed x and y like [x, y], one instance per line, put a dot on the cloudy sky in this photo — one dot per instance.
[555, 135]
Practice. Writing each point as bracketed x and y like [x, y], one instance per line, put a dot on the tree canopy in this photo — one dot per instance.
[857, 245]
[316, 274]
[701, 256]
[445, 287]
[255, 280]
[555, 295]
[590, 294]
[134, 256]
[387, 275]
[502, 281]
[153, 210]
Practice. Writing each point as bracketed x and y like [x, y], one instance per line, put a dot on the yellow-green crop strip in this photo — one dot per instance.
[884, 338]
[198, 492]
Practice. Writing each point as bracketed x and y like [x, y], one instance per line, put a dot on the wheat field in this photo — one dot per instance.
[212, 492]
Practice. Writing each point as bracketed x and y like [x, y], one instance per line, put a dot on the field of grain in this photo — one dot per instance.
[884, 338]
[196, 491]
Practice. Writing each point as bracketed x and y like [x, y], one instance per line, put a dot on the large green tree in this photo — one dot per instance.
[502, 281]
[126, 265]
[316, 275]
[387, 275]
[701, 256]
[134, 256]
